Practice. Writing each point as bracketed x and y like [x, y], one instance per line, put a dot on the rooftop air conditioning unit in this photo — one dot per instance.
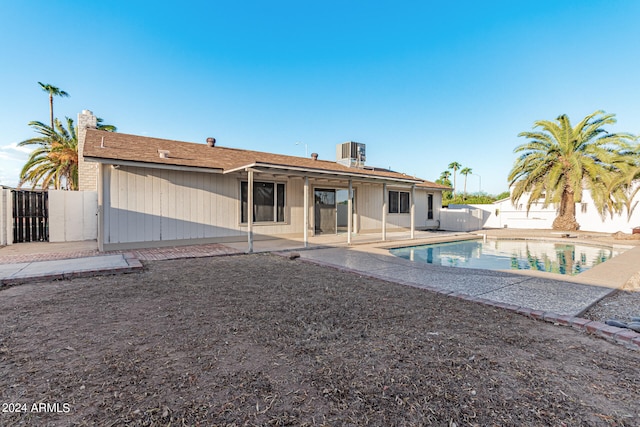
[352, 154]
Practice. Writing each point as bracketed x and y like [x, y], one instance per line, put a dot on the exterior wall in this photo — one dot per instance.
[87, 172]
[73, 215]
[504, 214]
[437, 209]
[369, 199]
[155, 207]
[6, 217]
[461, 219]
[145, 206]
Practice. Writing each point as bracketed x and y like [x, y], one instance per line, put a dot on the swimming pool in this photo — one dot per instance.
[552, 257]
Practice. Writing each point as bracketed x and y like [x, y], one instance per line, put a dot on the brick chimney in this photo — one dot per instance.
[87, 172]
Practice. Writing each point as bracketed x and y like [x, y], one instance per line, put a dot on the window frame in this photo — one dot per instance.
[396, 207]
[279, 203]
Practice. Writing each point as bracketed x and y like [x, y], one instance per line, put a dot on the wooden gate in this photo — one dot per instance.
[30, 216]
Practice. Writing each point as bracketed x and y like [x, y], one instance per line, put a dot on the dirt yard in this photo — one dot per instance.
[263, 340]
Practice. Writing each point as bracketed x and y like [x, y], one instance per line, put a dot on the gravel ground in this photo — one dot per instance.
[622, 305]
[263, 340]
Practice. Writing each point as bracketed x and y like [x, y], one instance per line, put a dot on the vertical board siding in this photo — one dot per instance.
[369, 200]
[146, 205]
[369, 206]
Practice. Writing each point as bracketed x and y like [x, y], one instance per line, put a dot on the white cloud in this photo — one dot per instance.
[12, 158]
[15, 147]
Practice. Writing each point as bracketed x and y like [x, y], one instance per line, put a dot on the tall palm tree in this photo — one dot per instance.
[52, 91]
[455, 166]
[465, 172]
[560, 159]
[54, 162]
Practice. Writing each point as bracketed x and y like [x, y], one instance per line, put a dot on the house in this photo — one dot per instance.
[158, 192]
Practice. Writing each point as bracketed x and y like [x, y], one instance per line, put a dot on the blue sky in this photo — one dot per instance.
[421, 83]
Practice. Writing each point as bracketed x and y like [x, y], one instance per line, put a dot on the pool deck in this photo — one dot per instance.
[546, 292]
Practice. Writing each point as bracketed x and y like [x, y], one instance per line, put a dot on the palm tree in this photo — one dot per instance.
[444, 180]
[559, 160]
[455, 166]
[465, 172]
[619, 189]
[52, 91]
[55, 161]
[102, 126]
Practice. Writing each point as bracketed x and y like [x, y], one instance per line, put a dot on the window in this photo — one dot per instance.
[583, 207]
[429, 206]
[268, 201]
[399, 202]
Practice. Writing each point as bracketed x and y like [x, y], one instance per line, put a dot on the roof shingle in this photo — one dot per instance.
[123, 147]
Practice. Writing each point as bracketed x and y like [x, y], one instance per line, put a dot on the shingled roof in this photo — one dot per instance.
[114, 147]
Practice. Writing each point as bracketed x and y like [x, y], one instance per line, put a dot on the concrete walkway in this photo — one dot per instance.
[67, 268]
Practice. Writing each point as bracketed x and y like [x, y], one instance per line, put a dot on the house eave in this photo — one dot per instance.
[269, 168]
[116, 162]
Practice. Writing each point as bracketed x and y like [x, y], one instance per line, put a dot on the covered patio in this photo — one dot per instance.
[329, 203]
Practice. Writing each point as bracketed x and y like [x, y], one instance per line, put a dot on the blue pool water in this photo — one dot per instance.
[552, 257]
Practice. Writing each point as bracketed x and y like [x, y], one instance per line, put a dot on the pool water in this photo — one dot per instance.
[552, 257]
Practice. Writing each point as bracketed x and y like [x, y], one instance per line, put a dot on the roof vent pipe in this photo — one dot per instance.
[314, 156]
[211, 142]
[164, 154]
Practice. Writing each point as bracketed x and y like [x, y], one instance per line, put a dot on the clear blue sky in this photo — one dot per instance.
[421, 83]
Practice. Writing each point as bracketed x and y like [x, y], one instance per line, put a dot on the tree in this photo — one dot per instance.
[102, 126]
[55, 161]
[559, 160]
[444, 180]
[503, 195]
[455, 166]
[465, 172]
[52, 91]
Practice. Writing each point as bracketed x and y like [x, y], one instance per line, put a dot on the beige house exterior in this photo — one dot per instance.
[157, 192]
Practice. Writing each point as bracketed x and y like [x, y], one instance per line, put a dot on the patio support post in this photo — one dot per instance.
[413, 211]
[385, 196]
[250, 210]
[100, 185]
[306, 211]
[349, 212]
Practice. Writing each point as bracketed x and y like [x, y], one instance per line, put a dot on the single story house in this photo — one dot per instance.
[157, 192]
